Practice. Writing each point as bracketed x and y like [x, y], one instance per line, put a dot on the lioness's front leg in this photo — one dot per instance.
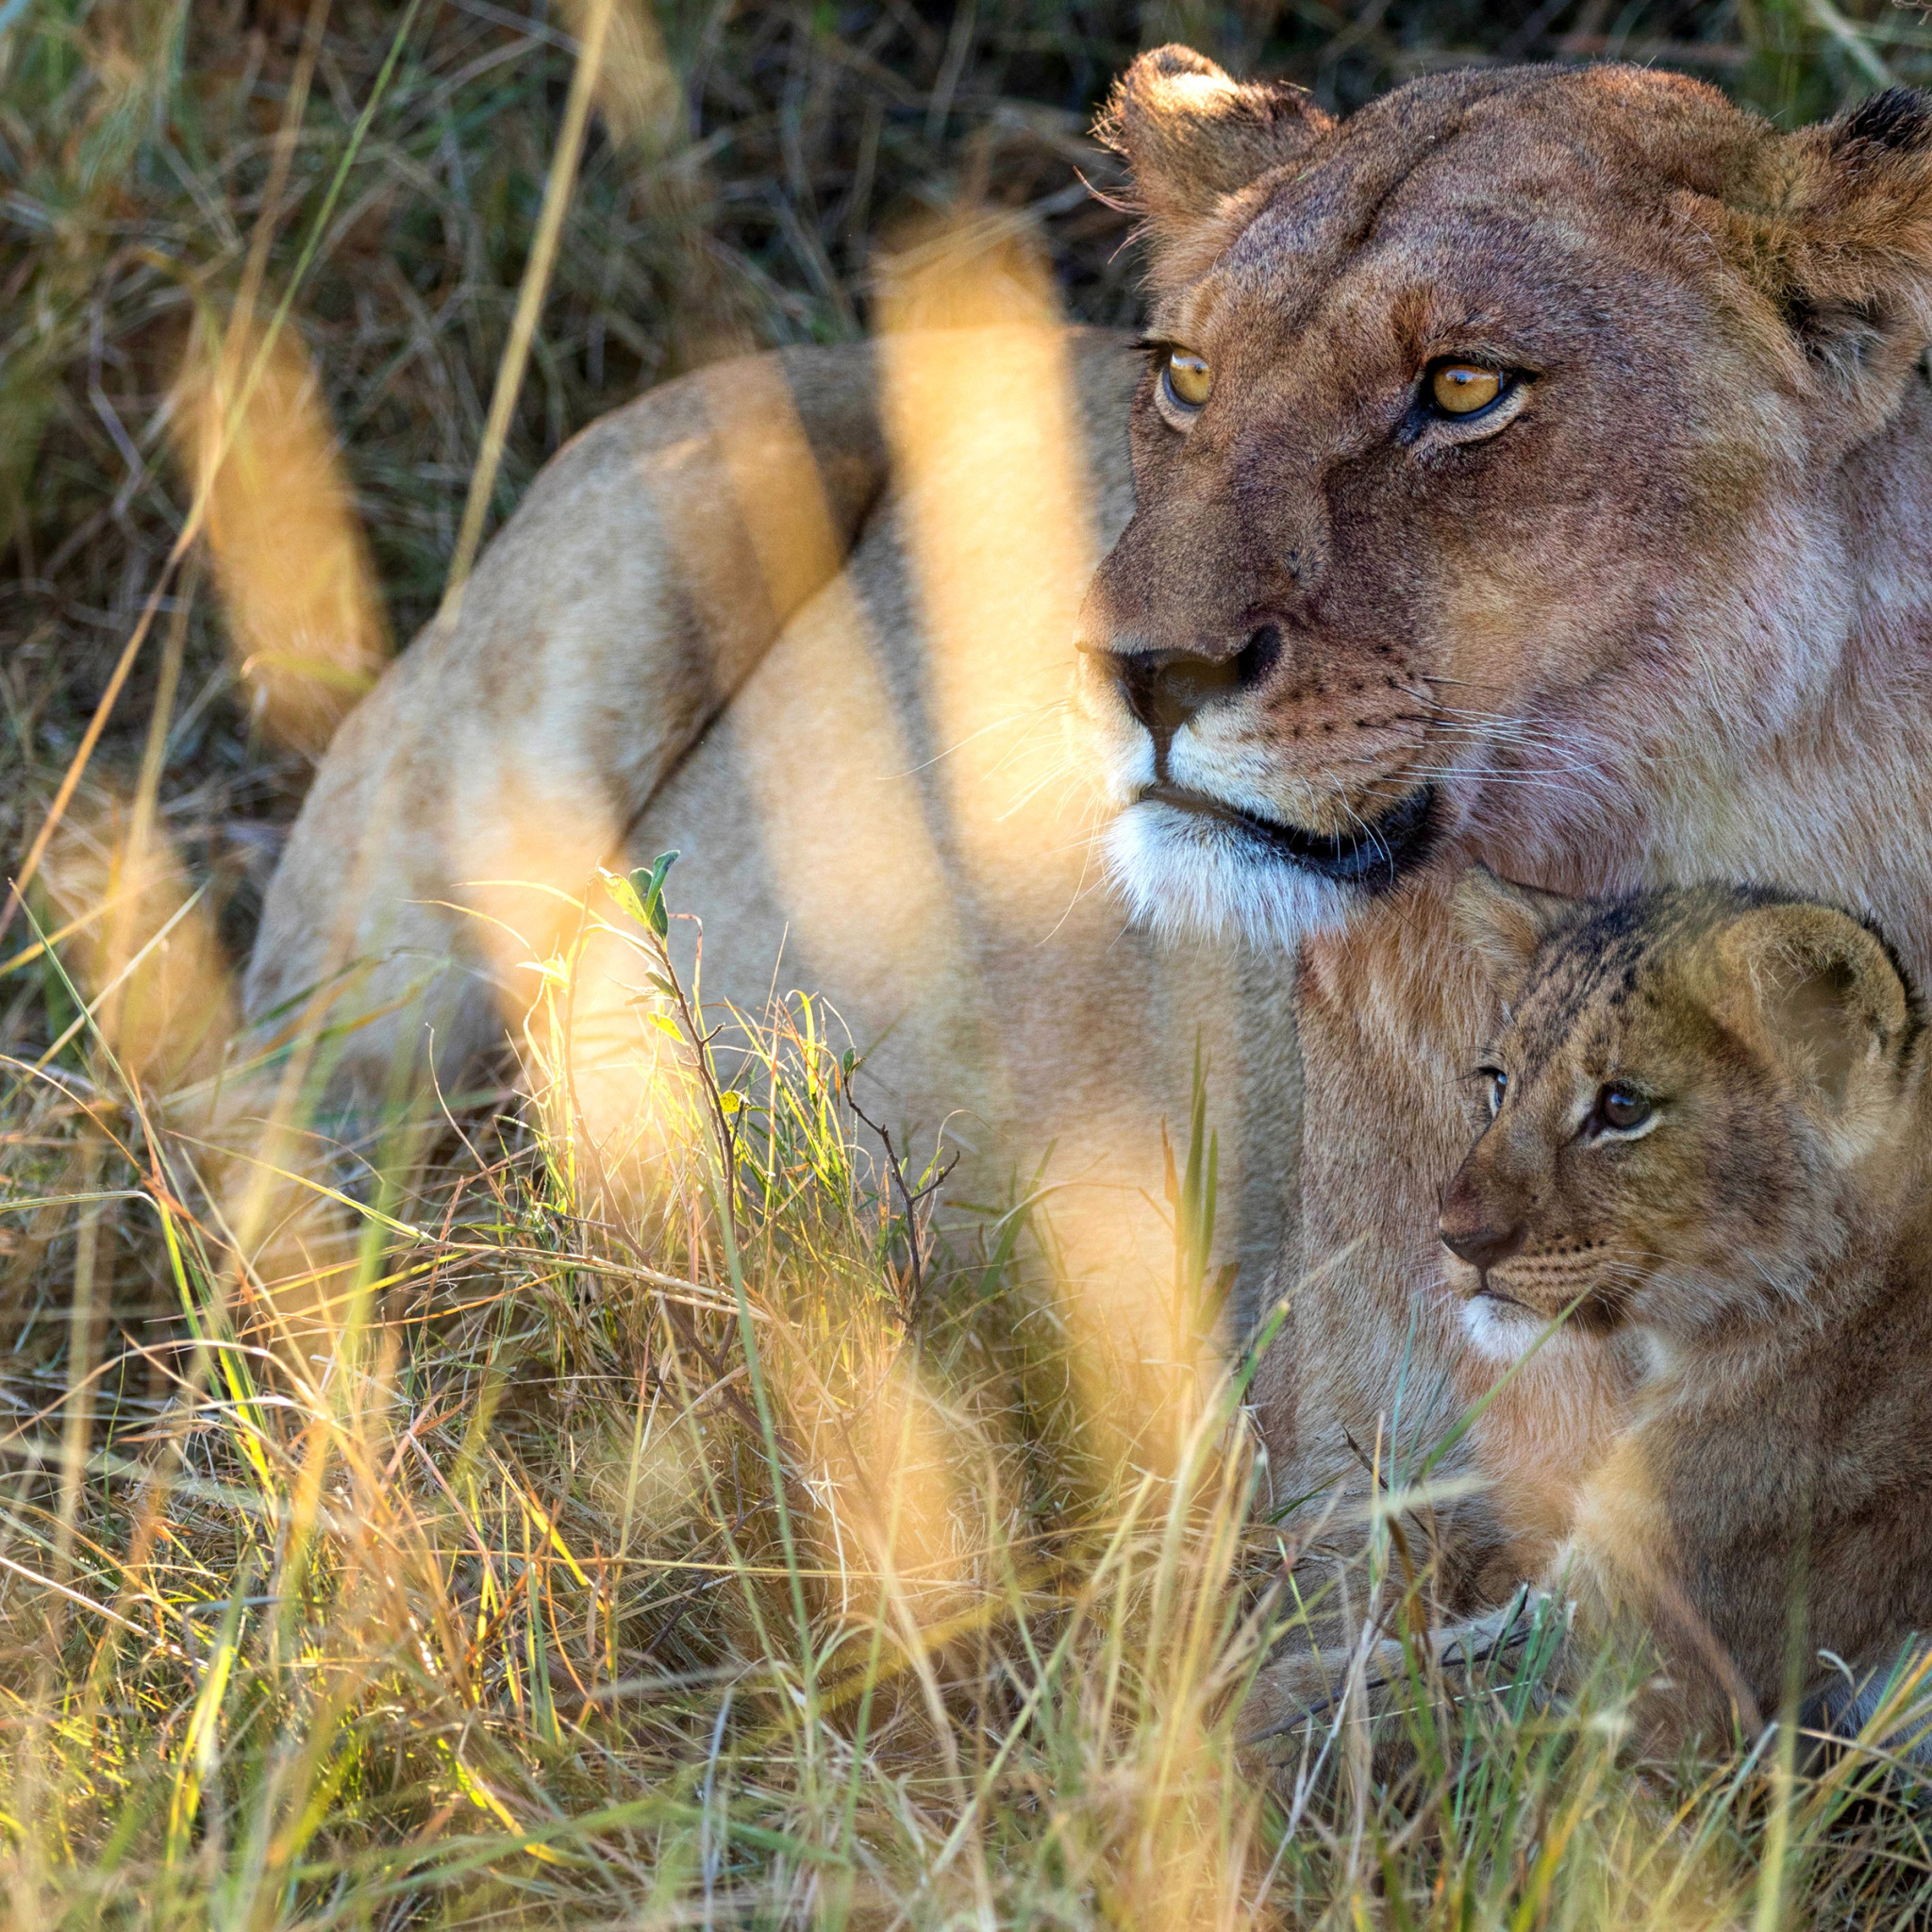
[1383, 1369]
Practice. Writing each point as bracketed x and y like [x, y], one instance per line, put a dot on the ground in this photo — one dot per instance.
[770, 1552]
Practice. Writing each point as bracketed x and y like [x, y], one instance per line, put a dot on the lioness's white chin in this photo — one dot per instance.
[1503, 1331]
[1189, 877]
[1186, 864]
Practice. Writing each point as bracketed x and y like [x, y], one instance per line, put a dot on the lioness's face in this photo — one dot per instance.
[1459, 423]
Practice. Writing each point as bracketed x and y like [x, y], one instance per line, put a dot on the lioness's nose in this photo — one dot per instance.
[1164, 688]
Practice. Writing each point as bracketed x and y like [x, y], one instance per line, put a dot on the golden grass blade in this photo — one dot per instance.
[191, 528]
[536, 283]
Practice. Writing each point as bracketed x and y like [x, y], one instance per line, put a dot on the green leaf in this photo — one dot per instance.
[649, 887]
[625, 893]
[660, 866]
[642, 895]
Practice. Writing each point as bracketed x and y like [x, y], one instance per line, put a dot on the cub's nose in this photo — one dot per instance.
[1477, 1241]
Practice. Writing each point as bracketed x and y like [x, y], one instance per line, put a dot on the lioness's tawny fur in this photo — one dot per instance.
[1665, 611]
[1661, 609]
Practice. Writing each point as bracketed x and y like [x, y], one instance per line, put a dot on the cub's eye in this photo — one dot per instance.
[1498, 1085]
[1188, 379]
[1463, 388]
[1619, 1110]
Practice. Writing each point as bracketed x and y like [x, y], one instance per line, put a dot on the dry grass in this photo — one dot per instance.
[761, 1551]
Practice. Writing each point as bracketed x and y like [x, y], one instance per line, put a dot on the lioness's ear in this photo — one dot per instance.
[1192, 134]
[1821, 997]
[1503, 923]
[1850, 248]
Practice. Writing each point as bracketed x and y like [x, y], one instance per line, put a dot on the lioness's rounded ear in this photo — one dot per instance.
[1192, 134]
[1818, 993]
[1849, 244]
[1503, 923]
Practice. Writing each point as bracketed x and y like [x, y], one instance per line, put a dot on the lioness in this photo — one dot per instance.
[1534, 468]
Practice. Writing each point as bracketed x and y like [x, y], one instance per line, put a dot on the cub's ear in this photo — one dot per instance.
[1192, 134]
[1823, 998]
[1849, 247]
[1503, 923]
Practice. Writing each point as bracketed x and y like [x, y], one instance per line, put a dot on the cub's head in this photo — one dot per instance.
[1482, 465]
[1693, 1101]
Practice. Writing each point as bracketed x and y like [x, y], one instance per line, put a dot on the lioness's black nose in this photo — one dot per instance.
[1481, 1245]
[1164, 688]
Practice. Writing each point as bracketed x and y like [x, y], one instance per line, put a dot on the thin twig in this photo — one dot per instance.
[915, 1239]
[536, 285]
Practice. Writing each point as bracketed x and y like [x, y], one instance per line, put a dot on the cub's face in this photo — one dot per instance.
[1672, 1123]
[1471, 463]
[1631, 1160]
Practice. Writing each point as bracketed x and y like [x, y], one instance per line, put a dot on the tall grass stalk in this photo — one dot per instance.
[459, 1524]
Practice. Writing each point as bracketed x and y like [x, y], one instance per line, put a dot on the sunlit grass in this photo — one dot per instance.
[447, 1518]
[737, 1548]
[741, 1541]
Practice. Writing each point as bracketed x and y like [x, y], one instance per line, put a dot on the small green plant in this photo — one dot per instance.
[472, 1524]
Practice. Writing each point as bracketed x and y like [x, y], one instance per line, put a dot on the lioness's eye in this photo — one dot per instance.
[1621, 1109]
[1499, 1085]
[1190, 381]
[1460, 389]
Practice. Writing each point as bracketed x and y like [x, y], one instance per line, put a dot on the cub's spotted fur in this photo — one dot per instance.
[1707, 1145]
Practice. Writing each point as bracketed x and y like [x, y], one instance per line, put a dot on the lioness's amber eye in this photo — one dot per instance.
[1460, 389]
[1623, 1109]
[1189, 380]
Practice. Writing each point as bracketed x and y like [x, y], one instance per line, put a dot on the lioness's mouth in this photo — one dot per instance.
[1591, 1312]
[1373, 857]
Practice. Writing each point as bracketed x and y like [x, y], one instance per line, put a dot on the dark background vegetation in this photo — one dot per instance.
[758, 204]
[135, 142]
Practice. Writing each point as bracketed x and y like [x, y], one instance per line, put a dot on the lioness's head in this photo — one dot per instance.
[1493, 444]
[1681, 1114]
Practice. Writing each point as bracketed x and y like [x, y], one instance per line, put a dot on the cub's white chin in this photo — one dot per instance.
[1504, 1332]
[1186, 877]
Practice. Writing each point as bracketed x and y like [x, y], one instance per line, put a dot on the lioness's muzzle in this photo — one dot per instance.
[1373, 855]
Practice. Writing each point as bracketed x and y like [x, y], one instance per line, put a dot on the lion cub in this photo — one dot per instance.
[1704, 1144]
